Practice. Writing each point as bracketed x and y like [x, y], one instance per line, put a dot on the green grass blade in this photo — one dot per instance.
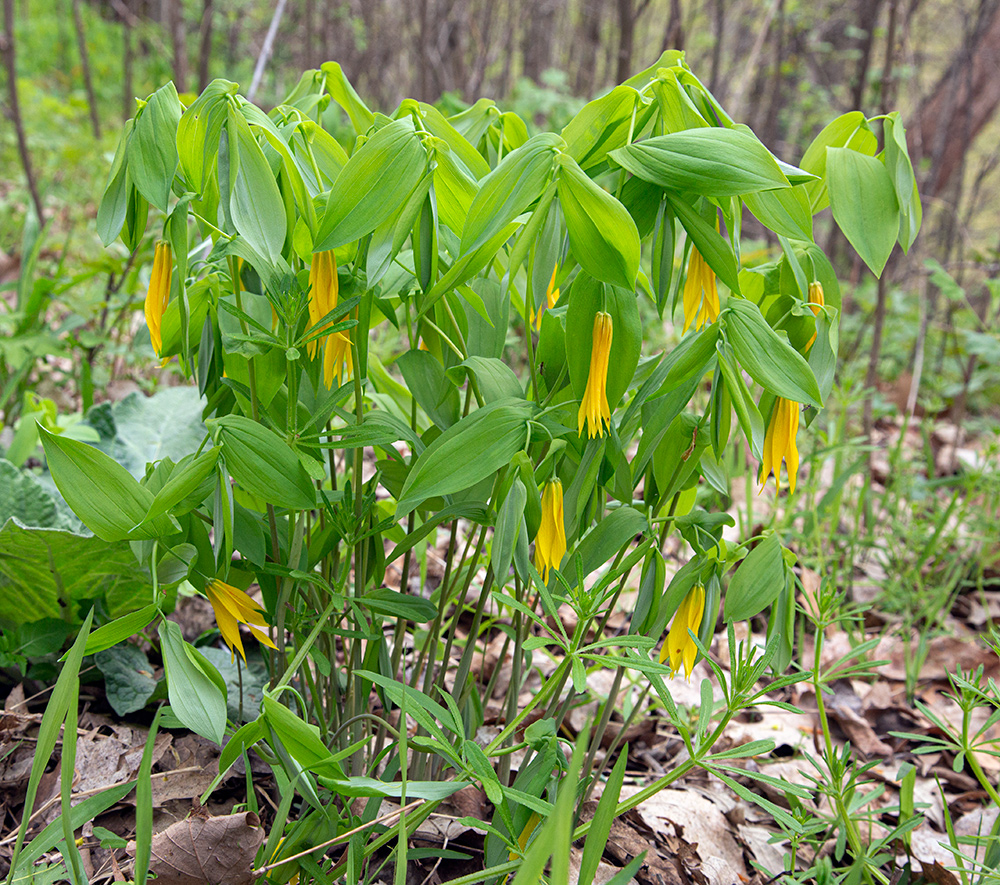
[48, 733]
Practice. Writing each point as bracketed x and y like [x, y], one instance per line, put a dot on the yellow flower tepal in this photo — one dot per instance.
[159, 293]
[323, 289]
[550, 544]
[233, 607]
[816, 304]
[594, 410]
[779, 443]
[701, 294]
[337, 359]
[680, 648]
[551, 298]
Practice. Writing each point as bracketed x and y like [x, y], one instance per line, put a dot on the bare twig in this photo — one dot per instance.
[14, 109]
[88, 81]
[265, 50]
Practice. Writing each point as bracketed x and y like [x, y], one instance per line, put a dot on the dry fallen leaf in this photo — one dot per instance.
[207, 851]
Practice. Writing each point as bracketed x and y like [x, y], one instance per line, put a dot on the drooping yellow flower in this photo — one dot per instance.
[337, 358]
[779, 443]
[551, 297]
[550, 544]
[233, 607]
[701, 295]
[594, 411]
[816, 303]
[323, 288]
[159, 293]
[680, 647]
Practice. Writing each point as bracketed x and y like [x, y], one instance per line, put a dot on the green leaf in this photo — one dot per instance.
[151, 154]
[718, 254]
[714, 162]
[495, 378]
[114, 202]
[185, 479]
[848, 130]
[602, 235]
[24, 498]
[393, 604]
[121, 628]
[359, 200]
[757, 582]
[342, 92]
[601, 126]
[128, 678]
[198, 133]
[431, 388]
[255, 204]
[746, 409]
[195, 698]
[369, 786]
[510, 517]
[863, 199]
[300, 739]
[897, 161]
[100, 491]
[263, 463]
[784, 211]
[604, 815]
[65, 691]
[767, 356]
[509, 190]
[467, 452]
[600, 545]
[139, 429]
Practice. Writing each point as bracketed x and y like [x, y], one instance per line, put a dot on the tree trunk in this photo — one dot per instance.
[868, 13]
[205, 43]
[626, 39]
[178, 34]
[537, 43]
[588, 39]
[961, 104]
[14, 107]
[673, 38]
[127, 19]
[719, 22]
[88, 83]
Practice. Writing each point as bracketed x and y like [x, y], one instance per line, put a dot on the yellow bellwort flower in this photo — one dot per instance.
[701, 294]
[337, 358]
[550, 544]
[233, 607]
[551, 297]
[323, 288]
[594, 411]
[680, 647]
[159, 293]
[816, 304]
[779, 443]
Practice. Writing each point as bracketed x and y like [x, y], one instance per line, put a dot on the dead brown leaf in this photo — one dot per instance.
[206, 851]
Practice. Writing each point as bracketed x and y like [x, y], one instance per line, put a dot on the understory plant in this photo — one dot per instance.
[431, 427]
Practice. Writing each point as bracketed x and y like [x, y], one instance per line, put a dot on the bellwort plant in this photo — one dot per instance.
[421, 353]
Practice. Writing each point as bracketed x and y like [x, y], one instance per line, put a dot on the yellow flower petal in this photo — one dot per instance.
[594, 412]
[701, 293]
[337, 359]
[680, 648]
[550, 543]
[323, 290]
[779, 443]
[158, 294]
[233, 607]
